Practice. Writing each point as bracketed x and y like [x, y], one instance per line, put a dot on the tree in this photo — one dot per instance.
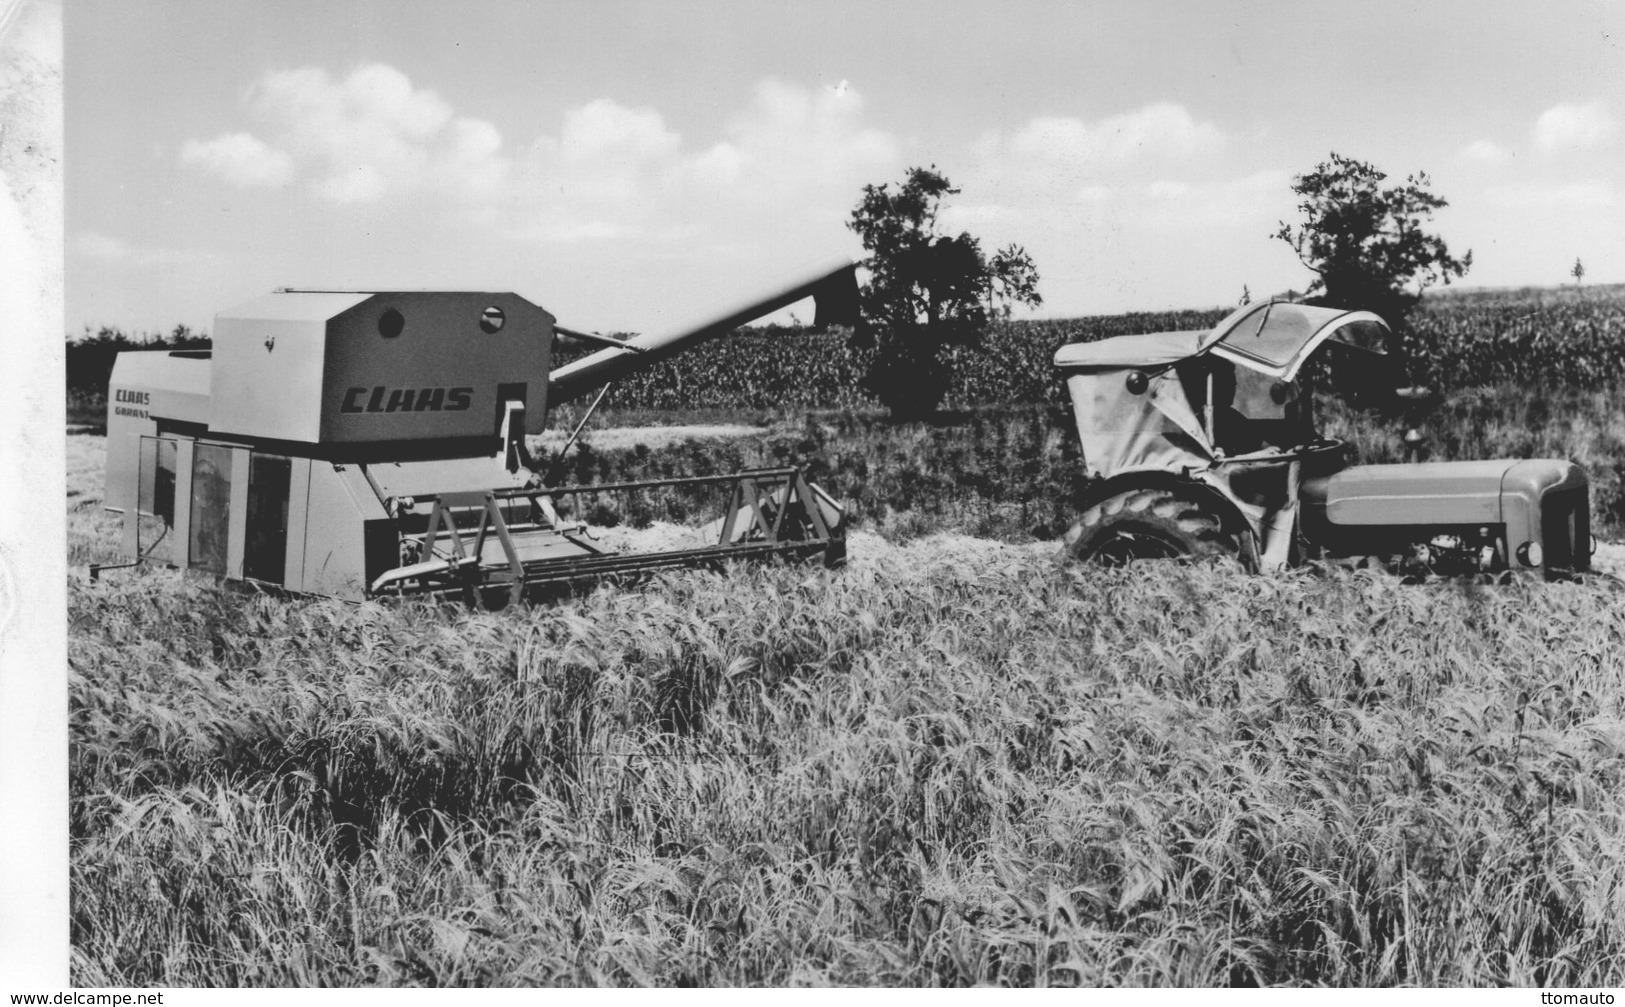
[1365, 241]
[1578, 272]
[927, 290]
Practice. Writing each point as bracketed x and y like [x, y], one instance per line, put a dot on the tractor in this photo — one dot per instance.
[1204, 443]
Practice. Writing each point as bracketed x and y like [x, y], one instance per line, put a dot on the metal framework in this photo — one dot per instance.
[769, 513]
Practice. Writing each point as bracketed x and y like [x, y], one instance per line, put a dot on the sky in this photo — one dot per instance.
[626, 163]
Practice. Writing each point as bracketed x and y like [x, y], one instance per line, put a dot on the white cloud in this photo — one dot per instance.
[1573, 127]
[1168, 190]
[1137, 190]
[241, 159]
[1260, 198]
[369, 136]
[568, 231]
[1066, 161]
[1576, 195]
[1160, 130]
[793, 141]
[105, 248]
[1486, 152]
[95, 245]
[604, 130]
[965, 216]
[599, 177]
[609, 170]
[373, 97]
[794, 152]
[361, 183]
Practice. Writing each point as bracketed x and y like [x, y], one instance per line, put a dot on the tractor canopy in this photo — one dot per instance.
[1142, 401]
[1276, 338]
[1271, 337]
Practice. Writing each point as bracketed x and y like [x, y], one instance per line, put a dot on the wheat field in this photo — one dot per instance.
[955, 762]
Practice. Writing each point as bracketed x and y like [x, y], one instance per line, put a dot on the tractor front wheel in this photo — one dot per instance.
[1152, 523]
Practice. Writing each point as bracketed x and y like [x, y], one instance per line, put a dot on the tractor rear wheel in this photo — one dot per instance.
[1153, 523]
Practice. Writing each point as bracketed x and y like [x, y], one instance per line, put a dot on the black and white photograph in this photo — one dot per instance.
[897, 494]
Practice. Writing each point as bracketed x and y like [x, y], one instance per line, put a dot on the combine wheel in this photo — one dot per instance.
[1153, 523]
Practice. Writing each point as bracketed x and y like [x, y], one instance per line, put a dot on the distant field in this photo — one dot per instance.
[1552, 337]
[1444, 298]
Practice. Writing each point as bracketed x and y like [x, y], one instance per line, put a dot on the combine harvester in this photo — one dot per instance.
[362, 444]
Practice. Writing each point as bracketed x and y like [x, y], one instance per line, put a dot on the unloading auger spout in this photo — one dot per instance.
[833, 287]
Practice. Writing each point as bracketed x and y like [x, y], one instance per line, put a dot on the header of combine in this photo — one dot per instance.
[348, 442]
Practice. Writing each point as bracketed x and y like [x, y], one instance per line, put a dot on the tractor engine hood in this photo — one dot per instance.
[1438, 493]
[1414, 494]
[1536, 502]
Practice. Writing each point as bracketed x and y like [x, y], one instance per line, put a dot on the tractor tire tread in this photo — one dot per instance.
[1151, 523]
